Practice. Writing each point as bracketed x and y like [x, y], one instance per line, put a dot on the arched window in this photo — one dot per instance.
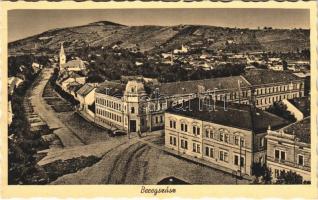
[184, 125]
[196, 129]
[224, 134]
[174, 124]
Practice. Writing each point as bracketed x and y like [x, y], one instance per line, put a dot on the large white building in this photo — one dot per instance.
[229, 135]
[288, 149]
[136, 105]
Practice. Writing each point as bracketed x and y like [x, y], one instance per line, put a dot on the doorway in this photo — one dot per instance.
[132, 125]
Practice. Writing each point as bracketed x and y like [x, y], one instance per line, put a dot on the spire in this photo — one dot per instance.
[62, 56]
[62, 49]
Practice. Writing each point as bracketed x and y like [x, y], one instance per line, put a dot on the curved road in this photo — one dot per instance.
[123, 161]
[67, 137]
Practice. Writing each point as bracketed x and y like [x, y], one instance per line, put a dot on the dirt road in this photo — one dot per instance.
[67, 137]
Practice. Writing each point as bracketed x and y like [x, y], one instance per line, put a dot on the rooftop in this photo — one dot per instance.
[186, 87]
[111, 88]
[235, 115]
[85, 89]
[74, 88]
[260, 76]
[301, 130]
[74, 63]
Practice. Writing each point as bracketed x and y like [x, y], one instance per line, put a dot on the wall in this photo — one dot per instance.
[291, 108]
[230, 147]
[292, 150]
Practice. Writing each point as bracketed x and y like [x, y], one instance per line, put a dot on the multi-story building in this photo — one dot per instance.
[268, 86]
[229, 135]
[140, 105]
[128, 107]
[134, 105]
[288, 149]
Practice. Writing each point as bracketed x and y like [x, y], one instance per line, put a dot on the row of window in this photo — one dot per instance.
[224, 137]
[230, 96]
[159, 119]
[272, 99]
[281, 156]
[109, 115]
[109, 103]
[184, 127]
[212, 134]
[209, 151]
[281, 88]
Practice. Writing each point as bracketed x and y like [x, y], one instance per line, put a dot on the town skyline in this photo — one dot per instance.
[44, 20]
[104, 103]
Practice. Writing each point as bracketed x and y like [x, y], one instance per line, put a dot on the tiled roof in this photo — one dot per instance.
[112, 88]
[300, 129]
[74, 63]
[186, 87]
[235, 115]
[74, 87]
[260, 76]
[85, 89]
[66, 75]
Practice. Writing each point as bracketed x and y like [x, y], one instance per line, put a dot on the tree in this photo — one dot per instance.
[280, 109]
[263, 172]
[289, 178]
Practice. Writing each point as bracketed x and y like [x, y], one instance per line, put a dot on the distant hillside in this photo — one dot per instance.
[163, 38]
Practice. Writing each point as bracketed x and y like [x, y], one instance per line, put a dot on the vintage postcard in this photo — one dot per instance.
[132, 99]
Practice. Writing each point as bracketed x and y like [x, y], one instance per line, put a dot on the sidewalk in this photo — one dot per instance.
[90, 119]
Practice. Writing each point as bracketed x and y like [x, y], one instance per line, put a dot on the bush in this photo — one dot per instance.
[289, 178]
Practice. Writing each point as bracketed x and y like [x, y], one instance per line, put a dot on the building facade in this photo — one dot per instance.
[128, 107]
[288, 149]
[141, 105]
[221, 135]
[268, 87]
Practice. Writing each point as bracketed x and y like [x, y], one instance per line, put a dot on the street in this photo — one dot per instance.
[122, 160]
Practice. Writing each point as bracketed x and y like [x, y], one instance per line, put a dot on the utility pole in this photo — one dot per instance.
[240, 156]
[239, 88]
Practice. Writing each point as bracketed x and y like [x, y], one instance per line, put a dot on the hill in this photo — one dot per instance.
[163, 38]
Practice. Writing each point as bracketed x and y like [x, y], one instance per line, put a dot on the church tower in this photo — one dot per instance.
[62, 56]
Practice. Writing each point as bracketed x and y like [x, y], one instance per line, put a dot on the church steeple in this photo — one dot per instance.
[62, 56]
[62, 49]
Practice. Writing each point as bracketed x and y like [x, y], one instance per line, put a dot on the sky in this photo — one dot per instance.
[24, 23]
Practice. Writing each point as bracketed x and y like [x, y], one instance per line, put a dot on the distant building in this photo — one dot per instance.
[68, 78]
[226, 134]
[131, 104]
[72, 65]
[276, 67]
[73, 87]
[86, 96]
[270, 86]
[184, 49]
[288, 149]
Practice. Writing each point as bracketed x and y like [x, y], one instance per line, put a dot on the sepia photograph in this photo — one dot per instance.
[178, 96]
